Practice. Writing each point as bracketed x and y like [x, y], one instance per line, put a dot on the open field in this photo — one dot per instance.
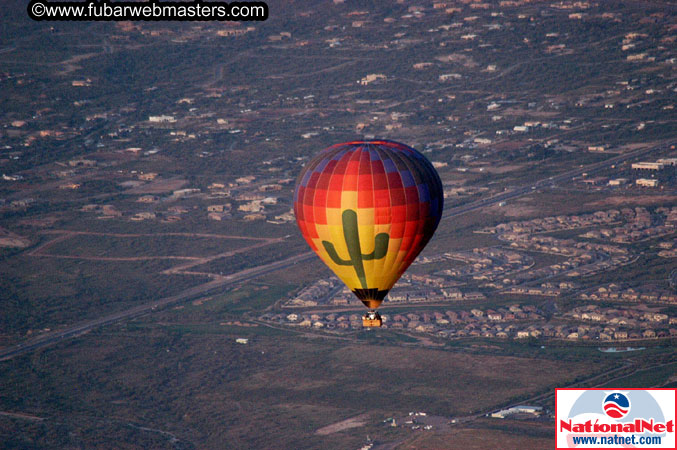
[665, 376]
[479, 439]
[120, 314]
[203, 387]
[53, 293]
[91, 245]
[113, 265]
[273, 252]
[618, 201]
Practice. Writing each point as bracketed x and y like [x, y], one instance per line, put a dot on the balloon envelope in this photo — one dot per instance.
[367, 208]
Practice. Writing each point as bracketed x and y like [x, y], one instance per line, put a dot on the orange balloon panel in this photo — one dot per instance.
[367, 208]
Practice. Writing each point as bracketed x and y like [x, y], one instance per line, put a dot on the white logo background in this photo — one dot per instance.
[567, 399]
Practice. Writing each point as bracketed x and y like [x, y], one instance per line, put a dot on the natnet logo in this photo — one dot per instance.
[616, 405]
[615, 418]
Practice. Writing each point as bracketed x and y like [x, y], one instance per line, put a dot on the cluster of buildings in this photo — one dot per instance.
[584, 258]
[630, 317]
[667, 249]
[512, 272]
[639, 225]
[485, 263]
[623, 323]
[544, 289]
[657, 165]
[411, 288]
[518, 411]
[464, 323]
[651, 174]
[419, 420]
[317, 293]
[586, 323]
[530, 125]
[415, 288]
[555, 223]
[617, 293]
[588, 333]
[242, 198]
[633, 224]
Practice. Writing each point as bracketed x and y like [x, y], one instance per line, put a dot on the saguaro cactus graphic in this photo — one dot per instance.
[352, 237]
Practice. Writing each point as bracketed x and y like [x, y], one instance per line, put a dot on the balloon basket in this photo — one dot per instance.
[372, 319]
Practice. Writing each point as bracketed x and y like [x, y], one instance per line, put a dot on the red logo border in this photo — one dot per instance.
[674, 391]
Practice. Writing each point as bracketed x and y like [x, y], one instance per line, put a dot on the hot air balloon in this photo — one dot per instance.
[367, 208]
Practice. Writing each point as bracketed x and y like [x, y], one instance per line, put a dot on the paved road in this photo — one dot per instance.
[52, 338]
